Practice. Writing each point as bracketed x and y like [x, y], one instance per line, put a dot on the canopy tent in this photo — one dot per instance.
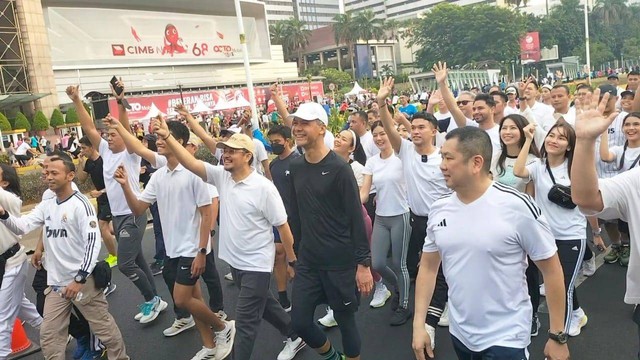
[200, 107]
[222, 103]
[153, 112]
[356, 90]
[239, 101]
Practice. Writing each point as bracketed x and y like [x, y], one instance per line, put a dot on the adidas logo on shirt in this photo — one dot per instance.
[442, 223]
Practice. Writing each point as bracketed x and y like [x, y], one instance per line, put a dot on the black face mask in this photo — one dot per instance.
[277, 148]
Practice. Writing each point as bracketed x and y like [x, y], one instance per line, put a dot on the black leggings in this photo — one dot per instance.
[439, 299]
[533, 284]
[571, 253]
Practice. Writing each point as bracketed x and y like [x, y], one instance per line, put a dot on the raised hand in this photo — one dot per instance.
[274, 89]
[529, 131]
[386, 85]
[435, 97]
[73, 92]
[440, 71]
[160, 128]
[111, 122]
[182, 110]
[120, 175]
[590, 121]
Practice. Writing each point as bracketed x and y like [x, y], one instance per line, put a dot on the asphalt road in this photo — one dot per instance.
[609, 335]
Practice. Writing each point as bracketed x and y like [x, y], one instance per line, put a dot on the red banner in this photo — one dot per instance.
[143, 107]
[530, 47]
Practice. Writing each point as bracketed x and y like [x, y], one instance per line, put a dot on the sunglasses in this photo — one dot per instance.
[463, 102]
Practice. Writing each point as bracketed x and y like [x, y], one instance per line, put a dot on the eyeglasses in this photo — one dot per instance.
[232, 151]
[463, 102]
[425, 158]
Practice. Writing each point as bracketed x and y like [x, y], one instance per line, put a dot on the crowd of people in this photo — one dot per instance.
[472, 196]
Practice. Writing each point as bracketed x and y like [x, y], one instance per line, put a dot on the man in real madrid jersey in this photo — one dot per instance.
[72, 240]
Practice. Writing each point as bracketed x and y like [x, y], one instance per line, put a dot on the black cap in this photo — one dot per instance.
[608, 88]
[612, 76]
[627, 92]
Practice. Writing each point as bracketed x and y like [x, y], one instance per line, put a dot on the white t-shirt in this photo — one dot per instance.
[12, 204]
[508, 110]
[616, 138]
[543, 114]
[71, 236]
[440, 116]
[329, 139]
[494, 135]
[508, 178]
[179, 193]
[110, 163]
[370, 148]
[259, 156]
[388, 178]
[621, 200]
[566, 224]
[630, 156]
[453, 125]
[485, 262]
[425, 182]
[249, 210]
[22, 149]
[358, 172]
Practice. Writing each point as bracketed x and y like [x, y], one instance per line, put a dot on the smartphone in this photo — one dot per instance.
[114, 83]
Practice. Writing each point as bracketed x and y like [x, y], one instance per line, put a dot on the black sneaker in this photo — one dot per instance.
[395, 300]
[400, 316]
[156, 267]
[535, 326]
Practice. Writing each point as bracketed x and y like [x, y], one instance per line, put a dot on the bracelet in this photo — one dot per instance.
[597, 233]
[166, 137]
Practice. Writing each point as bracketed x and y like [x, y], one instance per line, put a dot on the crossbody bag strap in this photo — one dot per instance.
[635, 162]
[549, 171]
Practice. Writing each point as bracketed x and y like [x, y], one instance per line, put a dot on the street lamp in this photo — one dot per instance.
[586, 39]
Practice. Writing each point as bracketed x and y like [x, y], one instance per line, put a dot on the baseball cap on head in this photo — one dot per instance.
[238, 141]
[613, 76]
[511, 90]
[627, 93]
[608, 88]
[310, 112]
[194, 140]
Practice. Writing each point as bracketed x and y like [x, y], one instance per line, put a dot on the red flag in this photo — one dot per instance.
[220, 35]
[135, 34]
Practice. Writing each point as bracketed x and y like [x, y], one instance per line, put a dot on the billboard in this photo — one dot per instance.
[363, 62]
[530, 47]
[142, 105]
[89, 38]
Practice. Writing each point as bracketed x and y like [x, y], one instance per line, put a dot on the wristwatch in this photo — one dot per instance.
[203, 251]
[293, 263]
[559, 337]
[80, 279]
[597, 232]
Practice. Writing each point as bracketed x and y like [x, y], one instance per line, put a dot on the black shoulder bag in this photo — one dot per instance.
[559, 194]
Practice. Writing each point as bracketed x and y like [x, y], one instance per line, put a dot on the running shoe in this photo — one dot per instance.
[178, 326]
[156, 267]
[138, 315]
[109, 289]
[432, 334]
[224, 340]
[221, 314]
[92, 355]
[589, 266]
[111, 260]
[578, 321]
[400, 316]
[151, 309]
[82, 346]
[291, 348]
[613, 255]
[535, 326]
[625, 251]
[380, 296]
[444, 318]
[328, 320]
[206, 354]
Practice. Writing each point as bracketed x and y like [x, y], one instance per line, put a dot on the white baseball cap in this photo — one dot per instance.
[311, 111]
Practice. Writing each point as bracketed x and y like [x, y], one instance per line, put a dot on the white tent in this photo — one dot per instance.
[153, 112]
[200, 107]
[356, 90]
[222, 103]
[239, 101]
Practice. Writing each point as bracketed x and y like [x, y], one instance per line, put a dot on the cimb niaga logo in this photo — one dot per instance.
[117, 49]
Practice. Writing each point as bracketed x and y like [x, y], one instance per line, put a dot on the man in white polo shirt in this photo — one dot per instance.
[485, 261]
[250, 206]
[186, 235]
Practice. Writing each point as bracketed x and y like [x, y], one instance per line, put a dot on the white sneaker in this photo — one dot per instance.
[180, 325]
[205, 354]
[151, 309]
[328, 321]
[222, 315]
[380, 295]
[432, 334]
[291, 348]
[109, 289]
[138, 316]
[224, 340]
[229, 277]
[542, 291]
[578, 321]
[444, 318]
[589, 267]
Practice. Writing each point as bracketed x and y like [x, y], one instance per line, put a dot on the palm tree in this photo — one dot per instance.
[344, 30]
[293, 36]
[517, 3]
[611, 12]
[277, 34]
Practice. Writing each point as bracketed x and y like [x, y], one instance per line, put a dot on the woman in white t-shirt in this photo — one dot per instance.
[567, 224]
[392, 228]
[627, 157]
[512, 140]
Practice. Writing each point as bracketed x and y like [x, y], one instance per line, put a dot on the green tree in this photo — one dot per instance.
[600, 53]
[386, 70]
[4, 123]
[40, 122]
[564, 26]
[344, 31]
[611, 12]
[72, 116]
[57, 119]
[22, 122]
[297, 38]
[368, 28]
[479, 33]
[337, 77]
[631, 48]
